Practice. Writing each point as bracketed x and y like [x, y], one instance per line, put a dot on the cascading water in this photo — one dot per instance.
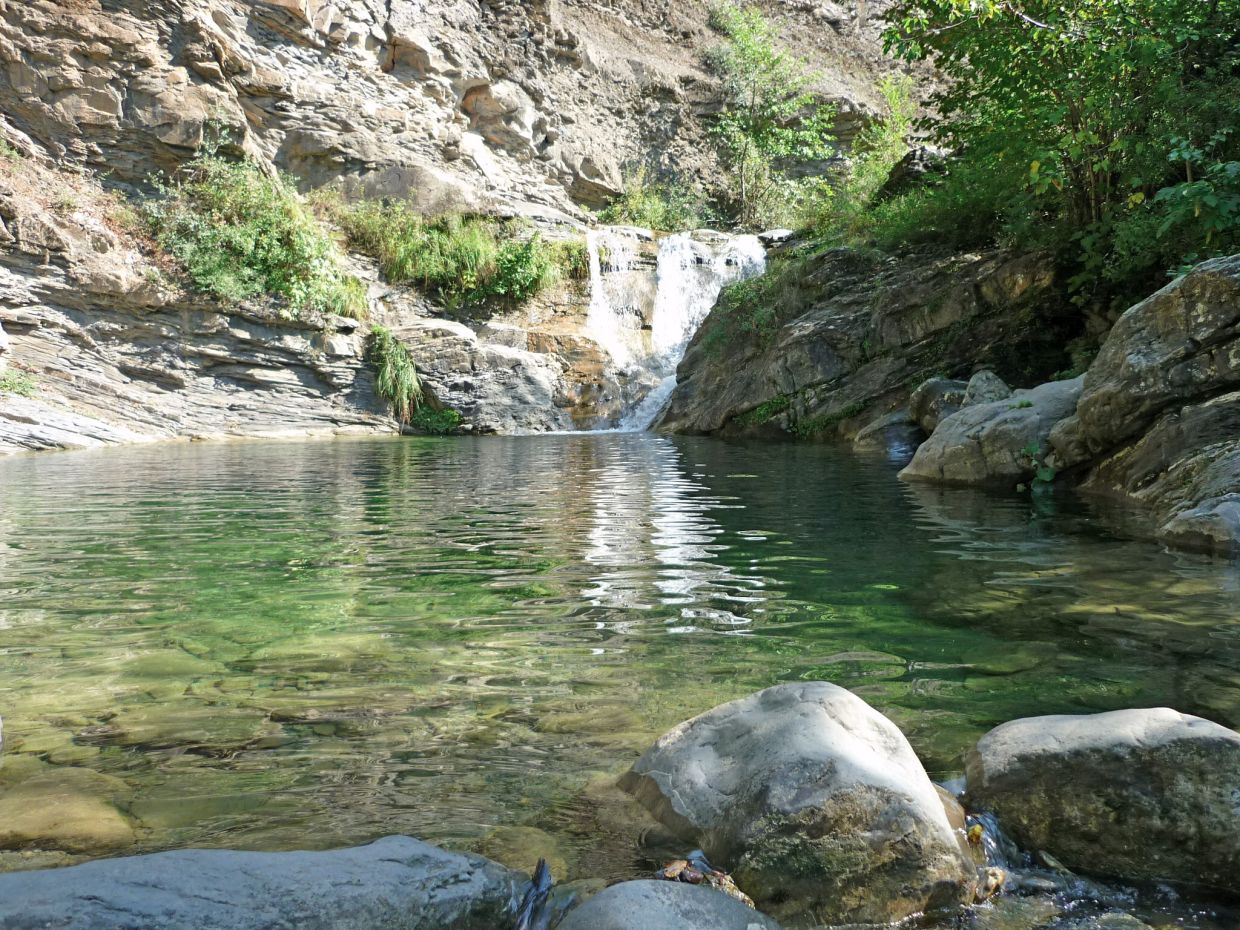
[692, 270]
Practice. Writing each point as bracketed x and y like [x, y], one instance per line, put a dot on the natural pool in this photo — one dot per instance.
[307, 645]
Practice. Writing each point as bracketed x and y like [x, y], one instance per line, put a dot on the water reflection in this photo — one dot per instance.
[282, 645]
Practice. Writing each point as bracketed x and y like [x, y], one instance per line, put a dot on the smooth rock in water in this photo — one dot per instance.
[67, 809]
[658, 905]
[814, 800]
[986, 387]
[396, 883]
[995, 443]
[1136, 795]
[897, 434]
[935, 400]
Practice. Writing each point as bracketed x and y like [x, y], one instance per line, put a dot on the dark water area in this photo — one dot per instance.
[308, 645]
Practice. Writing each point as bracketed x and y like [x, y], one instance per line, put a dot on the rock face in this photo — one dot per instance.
[457, 104]
[814, 799]
[997, 443]
[852, 336]
[653, 905]
[1138, 795]
[118, 354]
[396, 882]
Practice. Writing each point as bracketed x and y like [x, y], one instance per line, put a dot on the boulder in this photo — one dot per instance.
[919, 165]
[1179, 346]
[814, 799]
[397, 883]
[656, 905]
[986, 387]
[997, 443]
[1136, 795]
[935, 400]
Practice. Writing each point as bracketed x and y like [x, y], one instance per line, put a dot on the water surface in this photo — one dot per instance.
[305, 645]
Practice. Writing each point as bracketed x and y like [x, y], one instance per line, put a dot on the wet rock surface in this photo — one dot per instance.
[397, 883]
[814, 800]
[659, 905]
[1134, 795]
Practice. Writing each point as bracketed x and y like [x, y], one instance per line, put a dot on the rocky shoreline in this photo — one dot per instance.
[810, 797]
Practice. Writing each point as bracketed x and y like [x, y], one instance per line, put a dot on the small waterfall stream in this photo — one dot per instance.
[692, 269]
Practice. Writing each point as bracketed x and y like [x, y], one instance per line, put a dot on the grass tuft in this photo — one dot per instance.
[396, 375]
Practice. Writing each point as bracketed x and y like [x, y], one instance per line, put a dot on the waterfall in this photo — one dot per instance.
[693, 269]
[613, 251]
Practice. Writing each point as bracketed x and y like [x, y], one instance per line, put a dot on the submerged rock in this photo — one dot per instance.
[660, 905]
[67, 809]
[814, 799]
[396, 883]
[1136, 795]
[999, 442]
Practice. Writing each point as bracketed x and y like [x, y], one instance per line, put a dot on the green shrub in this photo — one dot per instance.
[240, 234]
[665, 207]
[396, 376]
[572, 257]
[17, 382]
[436, 422]
[461, 260]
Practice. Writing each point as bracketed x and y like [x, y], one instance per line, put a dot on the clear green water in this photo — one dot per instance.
[304, 645]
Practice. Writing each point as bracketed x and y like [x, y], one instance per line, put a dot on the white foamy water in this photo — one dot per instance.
[646, 326]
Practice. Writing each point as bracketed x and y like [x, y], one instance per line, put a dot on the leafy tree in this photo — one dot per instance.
[772, 121]
[1114, 112]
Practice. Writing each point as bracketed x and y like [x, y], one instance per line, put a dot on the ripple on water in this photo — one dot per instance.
[280, 645]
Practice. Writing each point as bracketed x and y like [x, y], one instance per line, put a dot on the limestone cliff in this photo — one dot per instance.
[531, 109]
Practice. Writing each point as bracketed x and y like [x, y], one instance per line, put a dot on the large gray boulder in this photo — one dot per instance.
[997, 443]
[1178, 346]
[396, 883]
[814, 799]
[1138, 795]
[658, 905]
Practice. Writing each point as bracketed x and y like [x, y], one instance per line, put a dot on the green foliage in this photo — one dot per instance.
[845, 212]
[752, 311]
[807, 429]
[462, 260]
[666, 207]
[1111, 120]
[396, 376]
[765, 412]
[771, 123]
[572, 258]
[17, 382]
[436, 422]
[8, 152]
[240, 234]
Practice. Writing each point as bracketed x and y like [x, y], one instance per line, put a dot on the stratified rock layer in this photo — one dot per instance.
[814, 799]
[1137, 795]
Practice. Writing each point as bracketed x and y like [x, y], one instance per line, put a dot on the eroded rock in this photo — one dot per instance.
[813, 799]
[1136, 795]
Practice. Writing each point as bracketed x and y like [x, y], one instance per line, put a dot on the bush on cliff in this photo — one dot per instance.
[461, 260]
[242, 234]
[663, 206]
